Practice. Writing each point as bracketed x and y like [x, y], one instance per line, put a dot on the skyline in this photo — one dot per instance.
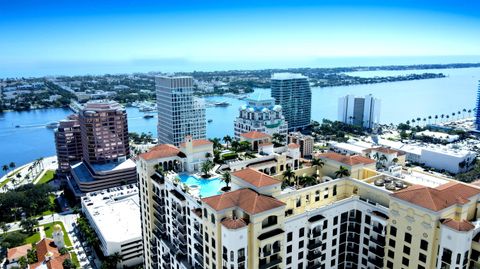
[122, 37]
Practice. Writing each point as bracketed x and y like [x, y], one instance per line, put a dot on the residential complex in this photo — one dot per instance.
[293, 93]
[262, 115]
[359, 219]
[360, 111]
[114, 215]
[68, 143]
[304, 141]
[179, 113]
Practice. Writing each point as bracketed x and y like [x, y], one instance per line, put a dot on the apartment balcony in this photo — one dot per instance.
[198, 258]
[312, 244]
[198, 237]
[380, 240]
[377, 230]
[198, 248]
[315, 233]
[376, 260]
[313, 265]
[270, 234]
[166, 258]
[377, 251]
[181, 219]
[196, 226]
[273, 261]
[241, 259]
[312, 255]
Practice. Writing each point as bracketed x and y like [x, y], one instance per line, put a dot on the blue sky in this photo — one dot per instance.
[46, 33]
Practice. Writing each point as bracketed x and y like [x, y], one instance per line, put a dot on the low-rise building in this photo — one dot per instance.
[114, 215]
[256, 139]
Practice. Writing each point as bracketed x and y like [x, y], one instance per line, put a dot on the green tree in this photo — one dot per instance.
[12, 165]
[23, 262]
[5, 168]
[227, 139]
[68, 264]
[288, 176]
[342, 172]
[28, 225]
[206, 167]
[227, 178]
[318, 162]
[278, 139]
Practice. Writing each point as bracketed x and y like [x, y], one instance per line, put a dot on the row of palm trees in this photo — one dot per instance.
[7, 167]
[442, 117]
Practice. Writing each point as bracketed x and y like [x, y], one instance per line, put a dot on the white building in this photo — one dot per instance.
[444, 137]
[179, 113]
[262, 115]
[361, 111]
[114, 214]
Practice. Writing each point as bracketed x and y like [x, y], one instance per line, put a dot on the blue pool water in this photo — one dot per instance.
[208, 187]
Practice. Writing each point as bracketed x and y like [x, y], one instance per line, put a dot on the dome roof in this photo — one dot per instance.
[57, 227]
[265, 109]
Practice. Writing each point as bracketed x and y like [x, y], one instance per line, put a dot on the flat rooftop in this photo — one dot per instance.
[115, 212]
[287, 76]
[112, 166]
[83, 174]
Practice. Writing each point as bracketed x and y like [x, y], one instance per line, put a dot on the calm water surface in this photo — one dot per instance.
[401, 101]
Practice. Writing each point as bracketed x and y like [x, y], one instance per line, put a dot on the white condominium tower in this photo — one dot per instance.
[180, 114]
[361, 111]
[292, 92]
[262, 115]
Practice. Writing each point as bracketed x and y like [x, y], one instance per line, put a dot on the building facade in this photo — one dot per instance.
[68, 143]
[293, 93]
[477, 112]
[360, 111]
[180, 114]
[104, 131]
[366, 219]
[262, 115]
[304, 141]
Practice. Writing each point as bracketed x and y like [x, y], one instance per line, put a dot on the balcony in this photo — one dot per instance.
[313, 244]
[198, 237]
[313, 265]
[312, 255]
[315, 233]
[241, 259]
[198, 258]
[270, 234]
[198, 247]
[273, 261]
[379, 240]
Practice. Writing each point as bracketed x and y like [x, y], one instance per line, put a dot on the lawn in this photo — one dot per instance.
[48, 228]
[18, 238]
[75, 259]
[33, 239]
[3, 183]
[47, 177]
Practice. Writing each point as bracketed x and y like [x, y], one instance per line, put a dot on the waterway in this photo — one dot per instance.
[401, 101]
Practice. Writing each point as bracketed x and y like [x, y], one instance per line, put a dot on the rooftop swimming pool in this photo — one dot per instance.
[208, 187]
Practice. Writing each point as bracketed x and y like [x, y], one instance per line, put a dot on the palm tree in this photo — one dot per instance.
[436, 118]
[5, 168]
[383, 158]
[376, 156]
[442, 116]
[469, 112]
[308, 181]
[318, 162]
[206, 167]
[12, 165]
[216, 143]
[287, 176]
[342, 172]
[227, 178]
[429, 119]
[395, 160]
[159, 169]
[464, 110]
[227, 139]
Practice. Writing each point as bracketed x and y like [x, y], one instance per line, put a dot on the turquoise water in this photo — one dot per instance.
[208, 187]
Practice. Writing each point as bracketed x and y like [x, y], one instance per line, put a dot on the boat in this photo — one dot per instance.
[148, 116]
[210, 120]
[52, 125]
[17, 126]
[222, 104]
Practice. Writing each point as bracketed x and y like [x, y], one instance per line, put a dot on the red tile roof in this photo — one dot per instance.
[347, 160]
[198, 142]
[293, 146]
[246, 199]
[233, 224]
[462, 226]
[255, 178]
[161, 151]
[438, 198]
[17, 252]
[255, 135]
[45, 246]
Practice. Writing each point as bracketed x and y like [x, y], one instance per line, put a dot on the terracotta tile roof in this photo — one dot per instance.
[293, 146]
[438, 198]
[17, 252]
[198, 142]
[45, 246]
[246, 199]
[255, 135]
[161, 151]
[233, 224]
[347, 160]
[462, 226]
[255, 178]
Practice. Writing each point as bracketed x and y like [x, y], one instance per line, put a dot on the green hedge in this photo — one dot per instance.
[229, 156]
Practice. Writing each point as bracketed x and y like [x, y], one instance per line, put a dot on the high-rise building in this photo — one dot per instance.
[104, 132]
[105, 147]
[360, 111]
[360, 219]
[477, 112]
[260, 114]
[180, 114]
[68, 143]
[292, 92]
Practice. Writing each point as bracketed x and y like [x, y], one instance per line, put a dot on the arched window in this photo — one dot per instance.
[231, 255]
[269, 221]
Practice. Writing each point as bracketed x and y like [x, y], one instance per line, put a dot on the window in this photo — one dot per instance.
[289, 260]
[391, 254]
[270, 221]
[325, 193]
[391, 243]
[289, 249]
[289, 237]
[317, 196]
[231, 255]
[406, 250]
[423, 244]
[389, 265]
[335, 220]
[301, 232]
[334, 192]
[422, 257]
[212, 218]
[298, 203]
[300, 244]
[405, 261]
[408, 238]
[393, 231]
[300, 255]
